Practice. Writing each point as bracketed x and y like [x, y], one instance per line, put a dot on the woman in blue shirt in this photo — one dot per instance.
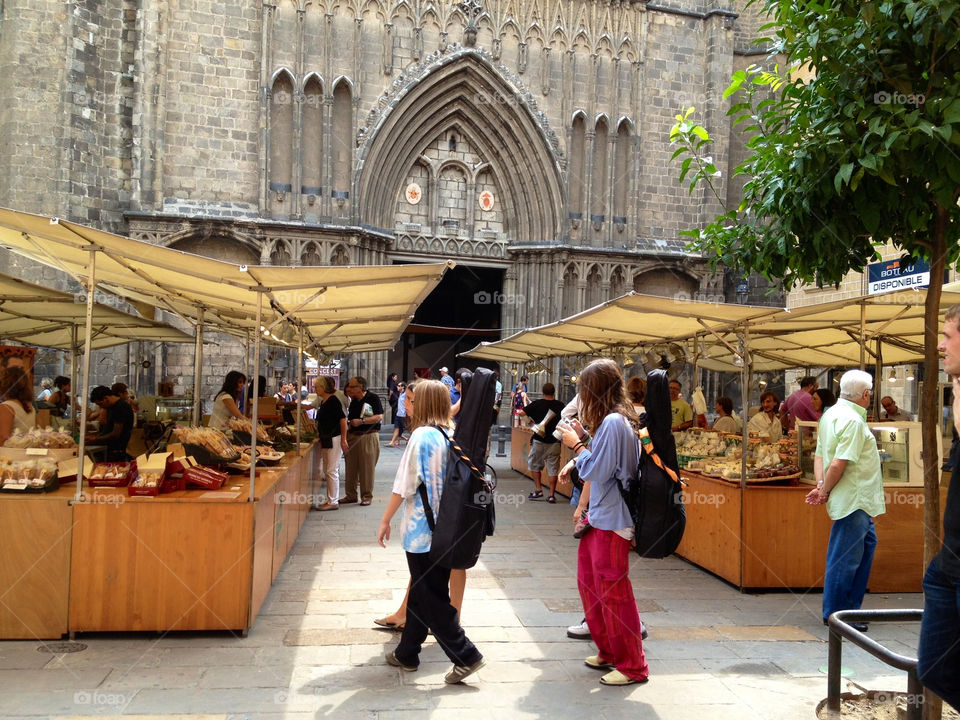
[424, 461]
[602, 558]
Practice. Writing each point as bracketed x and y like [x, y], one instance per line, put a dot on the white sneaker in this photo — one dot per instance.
[579, 632]
[582, 632]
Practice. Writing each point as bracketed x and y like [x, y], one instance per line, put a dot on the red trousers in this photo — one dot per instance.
[608, 602]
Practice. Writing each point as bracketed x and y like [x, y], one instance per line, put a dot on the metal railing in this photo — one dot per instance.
[840, 628]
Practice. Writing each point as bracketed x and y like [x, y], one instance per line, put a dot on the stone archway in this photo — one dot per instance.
[465, 91]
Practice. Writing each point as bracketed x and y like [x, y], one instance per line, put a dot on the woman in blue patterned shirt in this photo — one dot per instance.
[425, 461]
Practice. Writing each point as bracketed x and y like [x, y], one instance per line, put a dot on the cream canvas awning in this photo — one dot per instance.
[826, 335]
[341, 309]
[35, 315]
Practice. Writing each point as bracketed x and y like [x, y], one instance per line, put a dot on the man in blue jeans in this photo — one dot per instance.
[846, 465]
[938, 657]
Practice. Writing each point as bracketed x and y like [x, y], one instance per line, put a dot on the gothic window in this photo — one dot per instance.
[577, 167]
[598, 187]
[281, 255]
[492, 220]
[569, 291]
[342, 141]
[622, 174]
[618, 282]
[310, 256]
[312, 144]
[340, 256]
[594, 287]
[452, 199]
[413, 201]
[281, 142]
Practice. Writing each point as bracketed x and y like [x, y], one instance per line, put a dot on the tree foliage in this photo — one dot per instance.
[866, 151]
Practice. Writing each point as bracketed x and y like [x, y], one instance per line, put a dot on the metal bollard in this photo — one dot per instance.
[501, 441]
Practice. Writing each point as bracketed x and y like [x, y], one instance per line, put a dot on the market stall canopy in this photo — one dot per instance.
[342, 309]
[36, 315]
[826, 335]
[832, 334]
[629, 324]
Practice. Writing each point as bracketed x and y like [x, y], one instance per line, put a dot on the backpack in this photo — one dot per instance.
[655, 496]
[465, 516]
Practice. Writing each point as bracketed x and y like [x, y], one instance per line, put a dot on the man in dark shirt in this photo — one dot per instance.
[938, 657]
[116, 431]
[363, 427]
[544, 447]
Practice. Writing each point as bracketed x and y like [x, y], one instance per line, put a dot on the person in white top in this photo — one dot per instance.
[725, 421]
[16, 412]
[766, 423]
[225, 403]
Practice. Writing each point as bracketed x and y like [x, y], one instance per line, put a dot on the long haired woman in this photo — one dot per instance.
[602, 558]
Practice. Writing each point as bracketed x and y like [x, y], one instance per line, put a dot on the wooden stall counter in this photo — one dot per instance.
[779, 542]
[189, 560]
[35, 564]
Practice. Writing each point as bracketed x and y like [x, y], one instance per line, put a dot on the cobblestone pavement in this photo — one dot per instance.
[314, 652]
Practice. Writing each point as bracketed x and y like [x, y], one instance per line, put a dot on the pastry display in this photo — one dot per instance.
[245, 427]
[41, 438]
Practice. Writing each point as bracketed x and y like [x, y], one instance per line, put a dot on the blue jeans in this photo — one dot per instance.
[849, 557]
[939, 653]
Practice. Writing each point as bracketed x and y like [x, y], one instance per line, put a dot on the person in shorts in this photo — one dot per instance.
[544, 448]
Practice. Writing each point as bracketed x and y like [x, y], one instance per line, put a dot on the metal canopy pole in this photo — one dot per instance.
[197, 372]
[74, 380]
[299, 381]
[254, 393]
[88, 335]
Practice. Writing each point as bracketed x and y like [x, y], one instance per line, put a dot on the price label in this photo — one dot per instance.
[36, 451]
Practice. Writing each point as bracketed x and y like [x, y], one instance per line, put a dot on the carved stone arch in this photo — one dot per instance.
[479, 168]
[344, 8]
[581, 41]
[218, 243]
[625, 120]
[281, 252]
[403, 9]
[281, 71]
[310, 254]
[601, 117]
[605, 47]
[666, 280]
[570, 280]
[312, 75]
[558, 39]
[374, 8]
[535, 31]
[625, 50]
[468, 172]
[343, 79]
[618, 280]
[461, 88]
[594, 286]
[340, 255]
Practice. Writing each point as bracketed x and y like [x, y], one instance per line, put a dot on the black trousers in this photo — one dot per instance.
[429, 608]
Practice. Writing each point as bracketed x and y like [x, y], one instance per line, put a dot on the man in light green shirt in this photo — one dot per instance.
[847, 468]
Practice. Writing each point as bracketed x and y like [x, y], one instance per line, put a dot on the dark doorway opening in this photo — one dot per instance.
[463, 310]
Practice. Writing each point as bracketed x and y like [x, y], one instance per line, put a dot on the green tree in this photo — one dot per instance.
[862, 150]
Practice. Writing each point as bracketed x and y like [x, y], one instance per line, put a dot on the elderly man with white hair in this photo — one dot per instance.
[847, 468]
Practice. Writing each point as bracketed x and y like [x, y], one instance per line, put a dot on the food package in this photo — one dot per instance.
[150, 474]
[33, 475]
[204, 477]
[207, 445]
[112, 474]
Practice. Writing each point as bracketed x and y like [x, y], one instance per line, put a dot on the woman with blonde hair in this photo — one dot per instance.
[602, 557]
[424, 461]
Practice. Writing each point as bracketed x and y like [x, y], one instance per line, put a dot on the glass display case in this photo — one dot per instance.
[899, 445]
[165, 409]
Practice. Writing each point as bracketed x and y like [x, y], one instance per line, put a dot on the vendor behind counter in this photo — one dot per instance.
[115, 433]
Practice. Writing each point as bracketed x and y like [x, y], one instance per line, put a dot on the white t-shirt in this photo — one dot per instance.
[23, 421]
[220, 415]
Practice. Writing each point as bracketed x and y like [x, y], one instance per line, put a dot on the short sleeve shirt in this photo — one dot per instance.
[356, 411]
[843, 435]
[424, 461]
[682, 412]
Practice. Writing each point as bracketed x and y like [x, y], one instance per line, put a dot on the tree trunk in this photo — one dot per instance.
[930, 417]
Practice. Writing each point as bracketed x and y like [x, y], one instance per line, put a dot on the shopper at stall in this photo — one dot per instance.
[846, 465]
[823, 399]
[114, 435]
[799, 406]
[332, 432]
[399, 417]
[544, 447]
[637, 393]
[363, 418]
[725, 421]
[226, 402]
[766, 423]
[17, 414]
[938, 656]
[446, 379]
[429, 607]
[123, 392]
[680, 408]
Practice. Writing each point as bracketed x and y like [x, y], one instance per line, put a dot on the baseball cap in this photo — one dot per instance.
[443, 369]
